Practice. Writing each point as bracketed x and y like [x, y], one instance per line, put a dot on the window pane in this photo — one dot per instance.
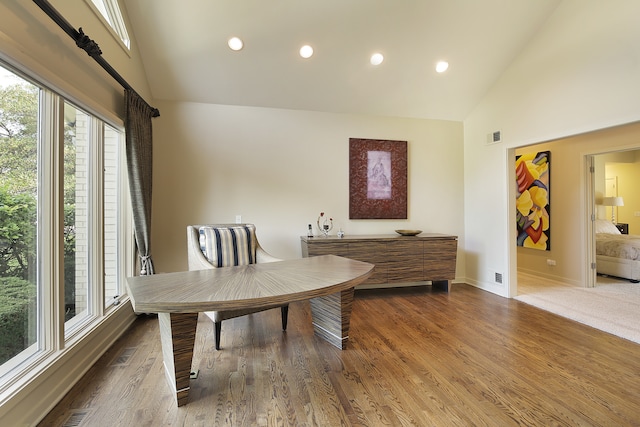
[110, 11]
[77, 134]
[112, 140]
[18, 219]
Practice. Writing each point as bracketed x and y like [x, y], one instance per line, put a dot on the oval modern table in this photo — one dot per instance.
[327, 281]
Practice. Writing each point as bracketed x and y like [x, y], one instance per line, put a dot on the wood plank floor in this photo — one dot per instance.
[416, 357]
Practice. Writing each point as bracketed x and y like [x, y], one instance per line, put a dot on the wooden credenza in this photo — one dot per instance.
[398, 259]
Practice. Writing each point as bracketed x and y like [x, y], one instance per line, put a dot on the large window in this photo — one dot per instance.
[62, 221]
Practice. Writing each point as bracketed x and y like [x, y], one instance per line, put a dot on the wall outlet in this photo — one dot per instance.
[238, 219]
[636, 213]
[551, 262]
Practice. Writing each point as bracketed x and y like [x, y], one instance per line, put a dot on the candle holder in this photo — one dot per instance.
[325, 225]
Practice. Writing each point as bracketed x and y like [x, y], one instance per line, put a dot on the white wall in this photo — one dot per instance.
[580, 73]
[280, 168]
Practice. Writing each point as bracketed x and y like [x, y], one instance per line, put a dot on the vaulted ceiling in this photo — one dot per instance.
[183, 45]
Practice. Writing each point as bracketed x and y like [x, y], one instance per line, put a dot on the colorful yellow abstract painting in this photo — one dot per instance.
[532, 200]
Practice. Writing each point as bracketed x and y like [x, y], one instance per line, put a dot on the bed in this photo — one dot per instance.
[617, 254]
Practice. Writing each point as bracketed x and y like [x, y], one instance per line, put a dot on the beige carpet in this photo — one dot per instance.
[612, 306]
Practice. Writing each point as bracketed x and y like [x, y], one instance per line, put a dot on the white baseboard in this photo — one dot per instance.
[550, 277]
[500, 290]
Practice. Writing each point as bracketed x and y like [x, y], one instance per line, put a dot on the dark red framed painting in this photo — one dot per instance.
[377, 179]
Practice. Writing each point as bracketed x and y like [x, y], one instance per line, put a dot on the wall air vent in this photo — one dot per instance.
[494, 137]
[75, 419]
[495, 277]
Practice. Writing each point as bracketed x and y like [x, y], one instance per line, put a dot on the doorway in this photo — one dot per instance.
[576, 201]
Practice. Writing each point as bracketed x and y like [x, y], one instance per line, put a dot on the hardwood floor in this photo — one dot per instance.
[415, 356]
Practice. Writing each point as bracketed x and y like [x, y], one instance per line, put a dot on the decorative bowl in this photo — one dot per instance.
[409, 232]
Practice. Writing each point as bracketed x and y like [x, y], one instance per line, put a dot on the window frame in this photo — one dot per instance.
[118, 27]
[52, 342]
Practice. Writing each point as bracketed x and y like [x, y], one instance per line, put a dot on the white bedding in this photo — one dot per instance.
[616, 254]
[625, 246]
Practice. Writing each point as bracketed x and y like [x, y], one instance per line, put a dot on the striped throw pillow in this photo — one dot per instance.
[229, 246]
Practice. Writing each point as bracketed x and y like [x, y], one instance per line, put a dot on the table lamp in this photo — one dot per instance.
[613, 202]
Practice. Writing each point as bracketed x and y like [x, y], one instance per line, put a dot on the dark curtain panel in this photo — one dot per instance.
[138, 115]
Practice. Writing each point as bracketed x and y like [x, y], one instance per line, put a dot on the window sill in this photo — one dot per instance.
[28, 398]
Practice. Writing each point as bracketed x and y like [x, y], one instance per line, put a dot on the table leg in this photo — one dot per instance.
[178, 335]
[331, 317]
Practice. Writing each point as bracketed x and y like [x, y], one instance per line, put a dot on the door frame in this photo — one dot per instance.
[590, 272]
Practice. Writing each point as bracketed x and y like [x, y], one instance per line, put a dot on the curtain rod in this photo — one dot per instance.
[91, 47]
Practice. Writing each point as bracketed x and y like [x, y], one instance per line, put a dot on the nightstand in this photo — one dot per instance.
[624, 228]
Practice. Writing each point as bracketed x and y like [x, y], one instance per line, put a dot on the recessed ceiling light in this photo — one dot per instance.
[235, 43]
[306, 51]
[442, 66]
[376, 59]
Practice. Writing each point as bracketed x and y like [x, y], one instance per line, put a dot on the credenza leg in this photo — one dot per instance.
[331, 316]
[178, 335]
[442, 284]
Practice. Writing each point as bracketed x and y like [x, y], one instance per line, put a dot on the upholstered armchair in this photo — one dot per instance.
[224, 245]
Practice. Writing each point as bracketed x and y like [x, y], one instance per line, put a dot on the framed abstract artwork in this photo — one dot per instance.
[533, 207]
[377, 179]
